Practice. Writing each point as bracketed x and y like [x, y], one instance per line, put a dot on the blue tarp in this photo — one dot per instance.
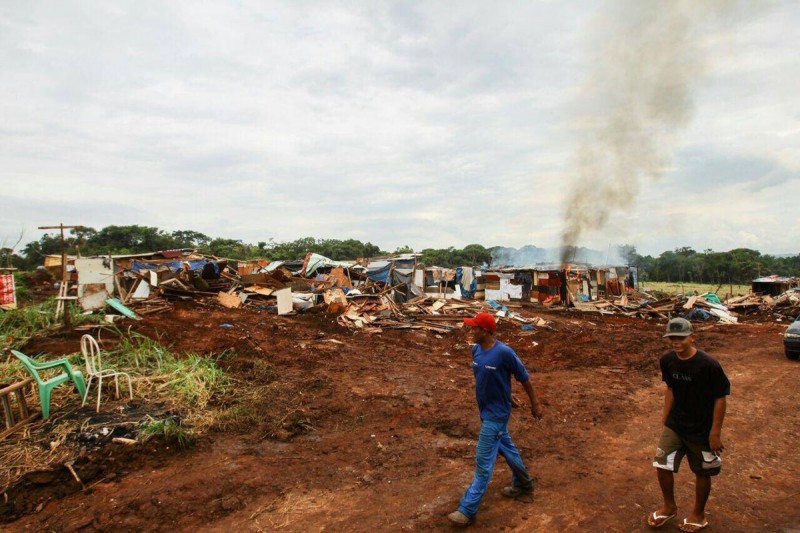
[494, 305]
[468, 292]
[379, 270]
[697, 314]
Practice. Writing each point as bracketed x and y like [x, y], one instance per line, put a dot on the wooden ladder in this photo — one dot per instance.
[62, 297]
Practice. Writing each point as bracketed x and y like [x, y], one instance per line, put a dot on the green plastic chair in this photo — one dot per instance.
[47, 385]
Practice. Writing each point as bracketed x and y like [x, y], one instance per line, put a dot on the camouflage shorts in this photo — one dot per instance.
[672, 448]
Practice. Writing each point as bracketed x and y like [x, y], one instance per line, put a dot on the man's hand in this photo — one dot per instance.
[536, 411]
[715, 442]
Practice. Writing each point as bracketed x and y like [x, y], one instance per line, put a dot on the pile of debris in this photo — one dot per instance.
[317, 284]
[785, 306]
[437, 315]
[643, 305]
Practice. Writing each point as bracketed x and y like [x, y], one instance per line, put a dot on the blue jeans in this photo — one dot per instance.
[493, 438]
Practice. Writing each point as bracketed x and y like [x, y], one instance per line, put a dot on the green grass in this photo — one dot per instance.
[194, 379]
[689, 288]
[240, 416]
[139, 352]
[19, 325]
[187, 382]
[168, 430]
[190, 379]
[22, 288]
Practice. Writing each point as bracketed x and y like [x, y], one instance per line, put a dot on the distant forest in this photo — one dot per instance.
[740, 265]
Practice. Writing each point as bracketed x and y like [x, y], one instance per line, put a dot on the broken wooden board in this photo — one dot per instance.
[438, 304]
[263, 291]
[231, 301]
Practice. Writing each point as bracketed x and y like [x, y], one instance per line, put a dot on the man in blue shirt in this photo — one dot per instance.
[494, 363]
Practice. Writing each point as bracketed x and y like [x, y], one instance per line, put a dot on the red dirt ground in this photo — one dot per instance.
[380, 433]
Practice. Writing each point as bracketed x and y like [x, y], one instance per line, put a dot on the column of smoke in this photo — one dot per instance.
[640, 93]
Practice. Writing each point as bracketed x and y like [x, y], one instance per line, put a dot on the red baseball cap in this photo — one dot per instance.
[482, 320]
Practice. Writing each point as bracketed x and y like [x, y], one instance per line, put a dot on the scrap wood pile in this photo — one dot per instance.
[783, 306]
[371, 313]
[376, 312]
[643, 305]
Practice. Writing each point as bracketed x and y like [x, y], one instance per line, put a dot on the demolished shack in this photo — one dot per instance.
[773, 285]
[145, 276]
[551, 284]
[367, 294]
[398, 273]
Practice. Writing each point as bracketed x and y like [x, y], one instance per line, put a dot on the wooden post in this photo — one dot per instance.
[64, 279]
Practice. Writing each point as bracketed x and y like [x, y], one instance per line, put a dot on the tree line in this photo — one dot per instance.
[123, 240]
[740, 265]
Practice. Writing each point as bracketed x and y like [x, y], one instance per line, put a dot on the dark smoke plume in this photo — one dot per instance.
[648, 61]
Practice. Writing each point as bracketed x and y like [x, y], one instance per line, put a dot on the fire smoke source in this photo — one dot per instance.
[640, 94]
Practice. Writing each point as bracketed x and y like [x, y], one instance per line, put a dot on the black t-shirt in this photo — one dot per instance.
[696, 383]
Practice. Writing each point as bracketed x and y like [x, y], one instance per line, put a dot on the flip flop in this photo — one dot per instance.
[663, 517]
[695, 525]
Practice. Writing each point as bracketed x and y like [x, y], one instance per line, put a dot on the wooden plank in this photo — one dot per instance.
[231, 301]
[8, 414]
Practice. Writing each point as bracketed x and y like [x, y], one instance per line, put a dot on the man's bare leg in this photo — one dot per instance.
[666, 480]
[702, 492]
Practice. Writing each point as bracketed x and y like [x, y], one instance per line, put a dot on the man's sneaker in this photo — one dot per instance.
[516, 492]
[459, 519]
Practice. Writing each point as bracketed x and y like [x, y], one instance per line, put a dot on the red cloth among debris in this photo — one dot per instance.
[7, 289]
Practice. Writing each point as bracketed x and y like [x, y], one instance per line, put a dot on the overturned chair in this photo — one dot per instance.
[95, 370]
[46, 385]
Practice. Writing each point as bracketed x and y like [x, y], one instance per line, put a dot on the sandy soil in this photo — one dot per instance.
[379, 433]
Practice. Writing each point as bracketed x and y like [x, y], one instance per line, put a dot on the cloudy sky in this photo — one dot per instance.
[429, 124]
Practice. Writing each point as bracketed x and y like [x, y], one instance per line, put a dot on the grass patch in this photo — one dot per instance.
[188, 382]
[689, 288]
[138, 351]
[169, 430]
[195, 379]
[239, 417]
[19, 325]
[22, 287]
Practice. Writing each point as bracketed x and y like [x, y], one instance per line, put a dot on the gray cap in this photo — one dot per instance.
[679, 327]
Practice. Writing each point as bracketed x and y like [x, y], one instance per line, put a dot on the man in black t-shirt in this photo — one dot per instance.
[694, 408]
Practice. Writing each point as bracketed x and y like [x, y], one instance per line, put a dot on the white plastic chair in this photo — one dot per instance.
[94, 369]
